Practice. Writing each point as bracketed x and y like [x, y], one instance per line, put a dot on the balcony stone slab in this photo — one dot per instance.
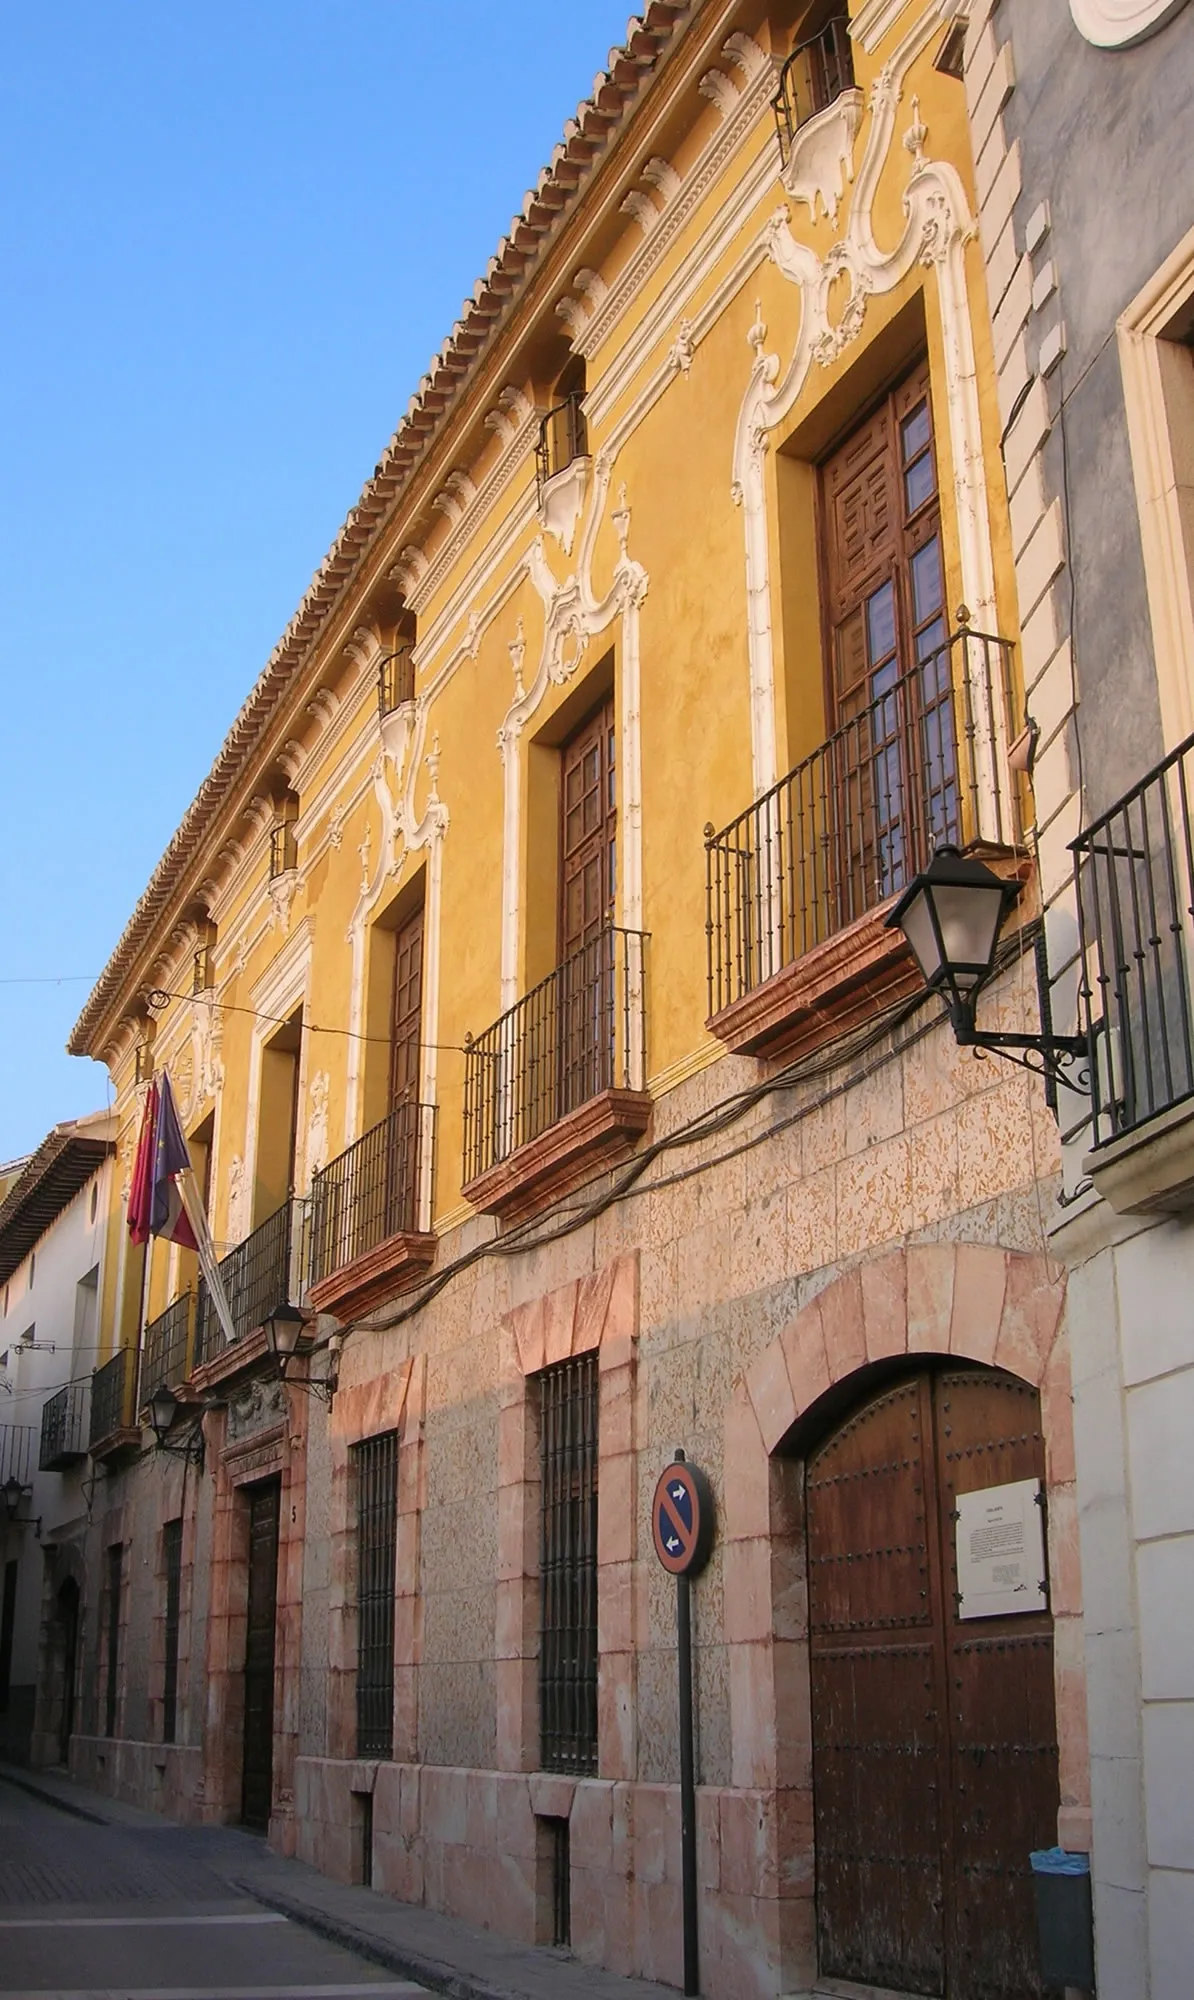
[391, 1266]
[823, 994]
[127, 1437]
[1149, 1170]
[232, 1358]
[596, 1135]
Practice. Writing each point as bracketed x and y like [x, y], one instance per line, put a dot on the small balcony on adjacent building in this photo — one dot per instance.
[167, 1351]
[18, 1444]
[264, 1271]
[114, 1427]
[799, 884]
[556, 1088]
[63, 1428]
[1135, 891]
[370, 1214]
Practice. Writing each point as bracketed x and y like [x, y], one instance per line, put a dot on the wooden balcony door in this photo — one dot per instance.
[892, 777]
[588, 886]
[934, 1737]
[406, 1029]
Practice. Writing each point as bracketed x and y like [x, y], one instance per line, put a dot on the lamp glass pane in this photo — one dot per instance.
[969, 916]
[919, 929]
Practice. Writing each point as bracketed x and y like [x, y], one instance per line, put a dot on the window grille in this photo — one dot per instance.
[114, 1579]
[568, 1612]
[172, 1558]
[375, 1462]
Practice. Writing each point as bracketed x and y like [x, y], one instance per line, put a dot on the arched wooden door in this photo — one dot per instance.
[934, 1737]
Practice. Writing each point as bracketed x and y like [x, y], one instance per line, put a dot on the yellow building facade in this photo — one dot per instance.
[521, 975]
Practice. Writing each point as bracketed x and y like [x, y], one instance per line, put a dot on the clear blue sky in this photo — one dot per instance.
[232, 237]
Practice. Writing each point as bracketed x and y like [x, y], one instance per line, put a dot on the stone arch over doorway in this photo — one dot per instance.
[965, 1302]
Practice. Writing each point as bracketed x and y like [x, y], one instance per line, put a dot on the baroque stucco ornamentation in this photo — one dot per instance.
[937, 226]
[238, 1200]
[282, 891]
[316, 1156]
[821, 159]
[1116, 24]
[561, 501]
[207, 1068]
[256, 1407]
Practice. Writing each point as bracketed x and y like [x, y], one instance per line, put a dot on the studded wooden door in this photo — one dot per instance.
[934, 1738]
[258, 1769]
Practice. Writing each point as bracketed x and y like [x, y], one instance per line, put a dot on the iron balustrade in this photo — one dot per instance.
[375, 1466]
[563, 436]
[63, 1427]
[395, 680]
[851, 824]
[1135, 882]
[283, 849]
[582, 1030]
[816, 72]
[372, 1191]
[262, 1272]
[166, 1347]
[568, 1566]
[112, 1399]
[18, 1443]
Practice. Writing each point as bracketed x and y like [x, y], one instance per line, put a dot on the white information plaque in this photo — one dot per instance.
[1001, 1551]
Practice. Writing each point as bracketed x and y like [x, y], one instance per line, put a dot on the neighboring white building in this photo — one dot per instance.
[52, 1221]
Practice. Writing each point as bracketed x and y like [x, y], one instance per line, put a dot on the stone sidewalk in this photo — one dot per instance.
[441, 1953]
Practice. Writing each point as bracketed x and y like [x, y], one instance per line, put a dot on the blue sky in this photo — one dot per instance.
[233, 235]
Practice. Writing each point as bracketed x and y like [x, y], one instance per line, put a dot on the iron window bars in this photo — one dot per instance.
[262, 1272]
[375, 1466]
[166, 1348]
[372, 1190]
[172, 1564]
[396, 679]
[854, 822]
[113, 1580]
[582, 1030]
[1134, 869]
[817, 71]
[563, 436]
[568, 1566]
[63, 1427]
[112, 1395]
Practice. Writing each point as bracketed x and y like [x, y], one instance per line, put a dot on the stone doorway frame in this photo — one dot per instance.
[969, 1302]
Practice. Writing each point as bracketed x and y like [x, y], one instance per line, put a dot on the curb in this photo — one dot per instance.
[430, 1972]
[49, 1798]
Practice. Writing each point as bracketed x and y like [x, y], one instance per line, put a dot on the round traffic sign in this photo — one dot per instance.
[682, 1519]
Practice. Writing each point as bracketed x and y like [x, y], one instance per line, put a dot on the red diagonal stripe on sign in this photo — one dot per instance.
[686, 1534]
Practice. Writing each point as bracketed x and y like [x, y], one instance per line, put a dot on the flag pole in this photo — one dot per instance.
[209, 1264]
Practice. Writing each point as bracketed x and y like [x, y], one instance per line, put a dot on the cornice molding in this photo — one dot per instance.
[1119, 24]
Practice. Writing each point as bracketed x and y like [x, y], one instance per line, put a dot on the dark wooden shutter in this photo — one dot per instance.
[934, 1739]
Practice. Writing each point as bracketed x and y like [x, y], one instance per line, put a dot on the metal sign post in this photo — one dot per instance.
[682, 1528]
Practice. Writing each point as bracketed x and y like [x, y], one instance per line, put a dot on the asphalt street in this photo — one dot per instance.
[92, 1912]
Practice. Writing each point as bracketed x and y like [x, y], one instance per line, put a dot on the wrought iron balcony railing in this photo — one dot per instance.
[395, 680]
[63, 1428]
[166, 1349]
[1135, 883]
[18, 1443]
[581, 1031]
[113, 1402]
[563, 436]
[372, 1191]
[817, 71]
[262, 1272]
[852, 824]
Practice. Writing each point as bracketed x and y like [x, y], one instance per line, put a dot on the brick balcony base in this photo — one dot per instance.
[376, 1275]
[824, 993]
[597, 1134]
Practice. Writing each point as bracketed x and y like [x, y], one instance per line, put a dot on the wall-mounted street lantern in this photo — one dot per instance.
[15, 1496]
[951, 915]
[163, 1409]
[284, 1328]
